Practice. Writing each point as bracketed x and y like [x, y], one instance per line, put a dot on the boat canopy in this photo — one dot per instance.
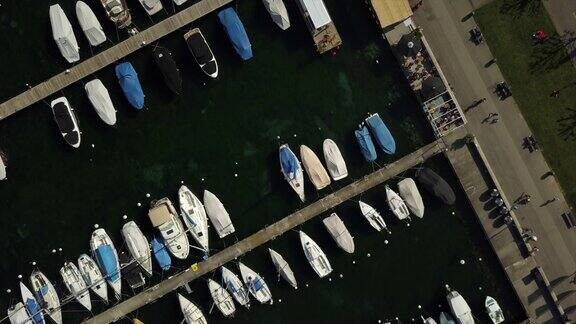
[317, 12]
[288, 162]
[63, 34]
[161, 254]
[383, 136]
[159, 215]
[236, 32]
[33, 308]
[130, 84]
[108, 262]
[63, 117]
[167, 65]
[366, 145]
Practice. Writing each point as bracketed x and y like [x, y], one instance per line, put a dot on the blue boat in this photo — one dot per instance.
[33, 309]
[161, 254]
[292, 170]
[366, 145]
[107, 258]
[236, 32]
[130, 84]
[381, 133]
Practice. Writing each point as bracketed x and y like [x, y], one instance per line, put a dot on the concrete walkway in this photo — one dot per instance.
[563, 16]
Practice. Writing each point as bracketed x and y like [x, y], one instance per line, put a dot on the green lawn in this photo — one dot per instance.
[534, 72]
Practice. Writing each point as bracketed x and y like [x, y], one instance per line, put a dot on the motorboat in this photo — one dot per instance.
[428, 320]
[117, 11]
[33, 308]
[436, 185]
[90, 24]
[179, 2]
[283, 268]
[169, 69]
[364, 140]
[314, 168]
[494, 311]
[18, 314]
[222, 298]
[194, 215]
[334, 161]
[201, 52]
[236, 32]
[278, 12]
[131, 270]
[192, 313]
[381, 133]
[151, 7]
[138, 246]
[66, 120]
[339, 232]
[130, 84]
[292, 170]
[106, 256]
[460, 308]
[397, 205]
[161, 254]
[446, 318]
[63, 34]
[93, 276]
[101, 101]
[218, 214]
[75, 284]
[315, 256]
[256, 284]
[235, 286]
[164, 217]
[46, 295]
[373, 217]
[409, 192]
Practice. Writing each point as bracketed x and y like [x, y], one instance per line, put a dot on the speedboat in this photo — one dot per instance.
[339, 232]
[66, 121]
[106, 256]
[494, 310]
[63, 34]
[130, 84]
[161, 254]
[236, 32]
[192, 314]
[364, 140]
[278, 12]
[445, 318]
[315, 256]
[32, 306]
[373, 217]
[93, 276]
[18, 314]
[117, 12]
[75, 284]
[179, 2]
[201, 52]
[90, 24]
[383, 136]
[46, 295]
[397, 205]
[283, 268]
[194, 215]
[100, 100]
[222, 298]
[138, 246]
[460, 308]
[218, 214]
[235, 286]
[151, 6]
[334, 160]
[409, 192]
[292, 170]
[314, 168]
[256, 284]
[164, 217]
[432, 182]
[168, 68]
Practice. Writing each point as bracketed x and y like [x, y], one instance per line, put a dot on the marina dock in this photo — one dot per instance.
[269, 233]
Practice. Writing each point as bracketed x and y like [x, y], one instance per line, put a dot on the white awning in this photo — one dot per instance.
[317, 11]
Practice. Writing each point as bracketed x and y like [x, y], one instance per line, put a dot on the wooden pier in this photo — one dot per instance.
[268, 233]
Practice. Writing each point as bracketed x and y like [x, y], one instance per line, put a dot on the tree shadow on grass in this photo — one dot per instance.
[517, 8]
[568, 125]
[553, 53]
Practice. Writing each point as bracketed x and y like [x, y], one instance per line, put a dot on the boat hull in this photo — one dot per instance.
[339, 232]
[256, 284]
[334, 161]
[92, 276]
[283, 268]
[315, 256]
[292, 170]
[218, 215]
[314, 168]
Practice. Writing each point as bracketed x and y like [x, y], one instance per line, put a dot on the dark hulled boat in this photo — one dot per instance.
[66, 121]
[170, 71]
[436, 185]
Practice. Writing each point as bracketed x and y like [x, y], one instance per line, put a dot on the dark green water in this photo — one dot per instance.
[217, 129]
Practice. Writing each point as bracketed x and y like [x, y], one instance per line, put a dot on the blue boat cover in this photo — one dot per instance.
[288, 162]
[366, 145]
[382, 134]
[108, 262]
[258, 284]
[34, 310]
[130, 84]
[236, 32]
[161, 254]
[44, 290]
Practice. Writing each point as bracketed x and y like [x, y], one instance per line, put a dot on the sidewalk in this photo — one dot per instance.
[563, 16]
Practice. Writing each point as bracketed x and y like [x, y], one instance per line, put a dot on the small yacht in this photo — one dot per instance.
[436, 185]
[66, 120]
[130, 84]
[169, 69]
[235, 287]
[314, 168]
[64, 34]
[222, 298]
[106, 256]
[75, 284]
[138, 246]
[366, 144]
[409, 192]
[92, 276]
[46, 295]
[151, 7]
[218, 215]
[460, 308]
[283, 268]
[90, 24]
[256, 284]
[315, 256]
[18, 314]
[494, 311]
[397, 205]
[192, 314]
[383, 136]
[194, 215]
[334, 160]
[278, 12]
[117, 12]
[33, 308]
[292, 170]
[161, 254]
[339, 232]
[373, 217]
[202, 53]
[164, 217]
[236, 32]
[101, 101]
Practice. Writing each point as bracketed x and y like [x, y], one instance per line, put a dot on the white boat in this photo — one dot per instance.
[90, 24]
[235, 286]
[283, 268]
[46, 295]
[314, 168]
[66, 121]
[494, 311]
[409, 192]
[256, 284]
[292, 170]
[164, 217]
[106, 257]
[101, 101]
[202, 52]
[2, 168]
[397, 205]
[75, 284]
[151, 6]
[339, 232]
[334, 160]
[92, 276]
[428, 320]
[315, 256]
[63, 34]
[117, 12]
[278, 12]
[192, 314]
[18, 314]
[194, 215]
[460, 308]
[373, 217]
[33, 308]
[179, 2]
[222, 298]
[218, 214]
[138, 246]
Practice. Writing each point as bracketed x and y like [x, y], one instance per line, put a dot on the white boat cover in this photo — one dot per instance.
[90, 24]
[278, 12]
[283, 268]
[63, 34]
[18, 314]
[2, 168]
[409, 192]
[218, 214]
[192, 314]
[314, 168]
[334, 160]
[179, 2]
[317, 12]
[100, 100]
[339, 232]
[222, 299]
